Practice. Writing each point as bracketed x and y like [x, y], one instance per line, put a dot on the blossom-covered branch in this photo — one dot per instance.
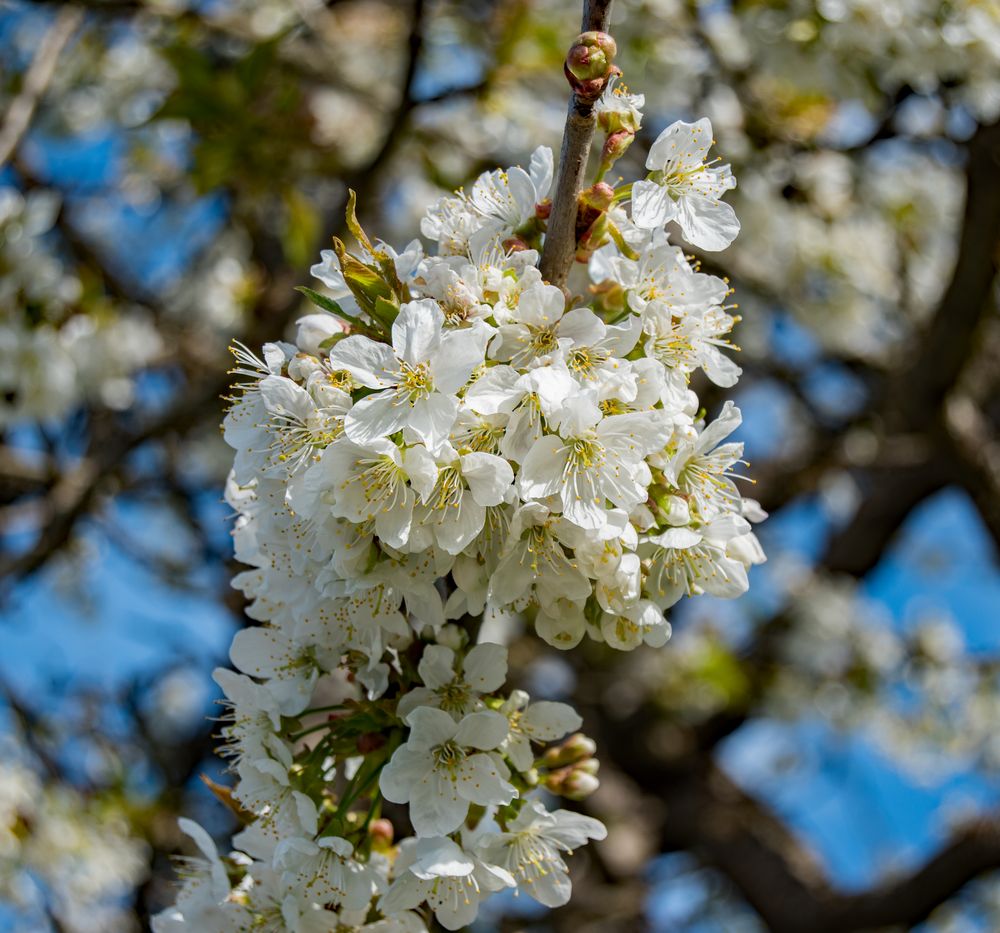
[452, 441]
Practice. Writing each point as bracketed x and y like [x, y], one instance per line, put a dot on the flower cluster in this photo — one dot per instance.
[455, 439]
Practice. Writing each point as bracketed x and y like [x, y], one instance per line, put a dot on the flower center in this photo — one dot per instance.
[453, 697]
[383, 481]
[585, 453]
[415, 381]
[448, 491]
[449, 755]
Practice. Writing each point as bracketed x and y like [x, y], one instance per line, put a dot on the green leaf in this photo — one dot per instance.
[322, 301]
[352, 222]
[385, 311]
[328, 304]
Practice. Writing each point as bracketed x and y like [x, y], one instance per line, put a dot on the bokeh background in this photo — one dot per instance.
[821, 755]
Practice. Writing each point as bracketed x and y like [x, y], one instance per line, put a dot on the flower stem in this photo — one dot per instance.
[560, 238]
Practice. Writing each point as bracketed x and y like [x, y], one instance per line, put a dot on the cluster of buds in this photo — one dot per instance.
[571, 768]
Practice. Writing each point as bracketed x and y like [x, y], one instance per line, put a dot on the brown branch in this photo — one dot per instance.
[560, 238]
[36, 81]
[976, 452]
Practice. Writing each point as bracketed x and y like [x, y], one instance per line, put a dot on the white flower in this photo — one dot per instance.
[279, 427]
[451, 880]
[683, 187]
[415, 379]
[701, 466]
[641, 622]
[544, 721]
[266, 789]
[457, 692]
[442, 768]
[595, 354]
[691, 341]
[500, 203]
[617, 108]
[531, 850]
[688, 562]
[454, 509]
[595, 459]
[255, 714]
[535, 562]
[534, 330]
[526, 398]
[373, 482]
[201, 899]
[325, 871]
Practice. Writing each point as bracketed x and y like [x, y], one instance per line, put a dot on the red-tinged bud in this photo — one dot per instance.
[381, 832]
[515, 244]
[589, 64]
[544, 209]
[615, 146]
[370, 742]
[599, 197]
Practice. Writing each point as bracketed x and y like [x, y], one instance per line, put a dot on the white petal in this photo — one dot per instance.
[540, 171]
[441, 858]
[652, 205]
[548, 721]
[431, 419]
[480, 782]
[484, 730]
[405, 770]
[707, 223]
[494, 391]
[485, 667]
[461, 351]
[488, 476]
[416, 332]
[682, 144]
[541, 473]
[371, 363]
[376, 416]
[430, 727]
[437, 666]
[436, 808]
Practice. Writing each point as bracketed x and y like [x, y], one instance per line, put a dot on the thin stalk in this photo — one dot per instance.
[560, 238]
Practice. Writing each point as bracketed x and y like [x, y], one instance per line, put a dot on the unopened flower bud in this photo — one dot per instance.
[579, 785]
[671, 509]
[576, 748]
[543, 209]
[382, 833]
[589, 63]
[450, 636]
[599, 197]
[615, 146]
